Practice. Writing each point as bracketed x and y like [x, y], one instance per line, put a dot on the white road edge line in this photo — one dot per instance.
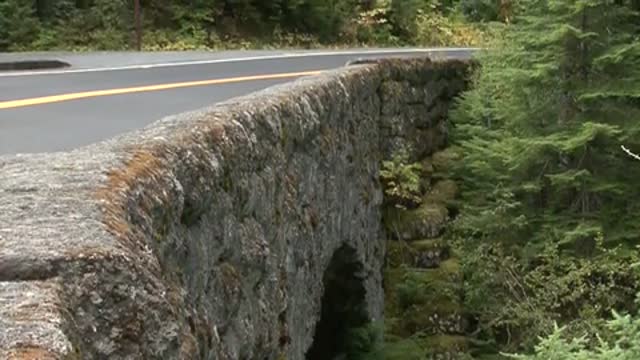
[231, 60]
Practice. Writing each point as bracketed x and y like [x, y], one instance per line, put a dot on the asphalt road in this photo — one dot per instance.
[103, 95]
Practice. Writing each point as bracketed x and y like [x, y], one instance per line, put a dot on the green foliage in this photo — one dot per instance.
[626, 346]
[412, 290]
[18, 24]
[524, 300]
[481, 10]
[403, 14]
[401, 180]
[213, 24]
[422, 22]
[374, 25]
[548, 228]
[365, 343]
[64, 24]
[491, 10]
[439, 30]
[403, 349]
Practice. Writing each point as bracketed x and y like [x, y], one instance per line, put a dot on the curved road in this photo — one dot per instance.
[104, 95]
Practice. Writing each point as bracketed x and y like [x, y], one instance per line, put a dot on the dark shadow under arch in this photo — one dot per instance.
[343, 306]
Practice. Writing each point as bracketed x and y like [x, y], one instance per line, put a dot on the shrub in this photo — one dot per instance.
[435, 29]
[626, 346]
[481, 10]
[18, 25]
[401, 181]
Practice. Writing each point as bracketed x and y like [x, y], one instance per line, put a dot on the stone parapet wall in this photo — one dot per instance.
[207, 234]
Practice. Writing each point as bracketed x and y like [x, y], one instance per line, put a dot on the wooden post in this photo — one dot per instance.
[138, 24]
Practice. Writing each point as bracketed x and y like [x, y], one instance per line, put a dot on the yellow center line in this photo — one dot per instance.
[96, 93]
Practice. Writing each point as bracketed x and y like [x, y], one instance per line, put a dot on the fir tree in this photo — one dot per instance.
[18, 24]
[542, 130]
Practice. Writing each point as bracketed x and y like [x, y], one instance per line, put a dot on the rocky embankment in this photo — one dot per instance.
[424, 316]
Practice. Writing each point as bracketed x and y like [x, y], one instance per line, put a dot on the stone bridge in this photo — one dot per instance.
[247, 230]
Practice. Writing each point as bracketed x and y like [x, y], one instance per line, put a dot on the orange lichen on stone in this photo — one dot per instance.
[217, 133]
[120, 182]
[31, 353]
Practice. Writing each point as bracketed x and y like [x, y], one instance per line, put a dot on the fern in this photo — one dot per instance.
[401, 179]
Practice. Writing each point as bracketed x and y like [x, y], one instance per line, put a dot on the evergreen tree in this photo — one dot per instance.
[542, 130]
[18, 24]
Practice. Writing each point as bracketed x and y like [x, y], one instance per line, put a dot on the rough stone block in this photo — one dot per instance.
[31, 314]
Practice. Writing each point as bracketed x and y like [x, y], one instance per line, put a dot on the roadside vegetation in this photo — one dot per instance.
[241, 24]
[550, 220]
[547, 223]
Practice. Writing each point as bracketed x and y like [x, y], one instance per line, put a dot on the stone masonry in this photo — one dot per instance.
[206, 235]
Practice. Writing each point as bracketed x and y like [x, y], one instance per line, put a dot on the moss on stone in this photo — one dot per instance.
[438, 344]
[427, 173]
[443, 192]
[427, 221]
[421, 347]
[438, 314]
[429, 288]
[419, 295]
[444, 160]
[448, 275]
[403, 349]
[425, 253]
[423, 282]
[392, 328]
[490, 357]
[392, 277]
[442, 308]
[427, 167]
[428, 244]
[399, 253]
[398, 328]
[451, 268]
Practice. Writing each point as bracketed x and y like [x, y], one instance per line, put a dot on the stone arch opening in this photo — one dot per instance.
[343, 306]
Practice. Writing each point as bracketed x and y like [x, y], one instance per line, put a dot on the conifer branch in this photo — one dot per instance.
[630, 153]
